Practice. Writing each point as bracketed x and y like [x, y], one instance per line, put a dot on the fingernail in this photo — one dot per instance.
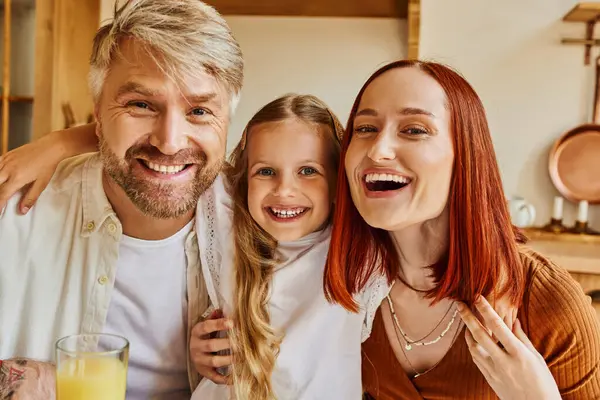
[460, 306]
[478, 299]
[229, 324]
[25, 209]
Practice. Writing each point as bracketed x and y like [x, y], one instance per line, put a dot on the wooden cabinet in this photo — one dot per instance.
[45, 59]
[579, 254]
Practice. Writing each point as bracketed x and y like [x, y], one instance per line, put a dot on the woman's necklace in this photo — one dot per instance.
[416, 373]
[409, 343]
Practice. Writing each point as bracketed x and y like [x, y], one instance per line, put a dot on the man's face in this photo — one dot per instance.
[163, 143]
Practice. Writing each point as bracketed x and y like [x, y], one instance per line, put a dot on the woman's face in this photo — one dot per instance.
[400, 158]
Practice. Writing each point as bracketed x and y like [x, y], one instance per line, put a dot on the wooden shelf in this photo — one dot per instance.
[314, 8]
[584, 12]
[578, 254]
[20, 99]
[539, 234]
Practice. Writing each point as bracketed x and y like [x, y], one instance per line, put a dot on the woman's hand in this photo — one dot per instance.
[34, 163]
[203, 347]
[514, 371]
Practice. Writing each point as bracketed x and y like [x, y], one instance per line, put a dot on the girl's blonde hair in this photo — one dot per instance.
[255, 343]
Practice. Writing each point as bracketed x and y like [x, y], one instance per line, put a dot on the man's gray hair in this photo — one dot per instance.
[183, 36]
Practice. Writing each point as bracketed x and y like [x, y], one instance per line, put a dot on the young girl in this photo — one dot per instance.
[266, 269]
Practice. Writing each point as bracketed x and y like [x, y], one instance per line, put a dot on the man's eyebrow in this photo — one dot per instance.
[135, 87]
[201, 97]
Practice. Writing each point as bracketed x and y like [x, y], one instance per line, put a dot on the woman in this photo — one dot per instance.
[421, 210]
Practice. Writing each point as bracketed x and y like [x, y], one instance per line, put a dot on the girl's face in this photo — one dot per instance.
[291, 178]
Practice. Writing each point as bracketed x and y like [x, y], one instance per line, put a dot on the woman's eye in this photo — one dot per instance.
[308, 171]
[265, 172]
[364, 129]
[415, 131]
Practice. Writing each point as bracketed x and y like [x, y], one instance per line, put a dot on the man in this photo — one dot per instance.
[110, 245]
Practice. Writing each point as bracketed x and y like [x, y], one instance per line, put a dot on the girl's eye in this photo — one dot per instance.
[308, 171]
[415, 131]
[265, 172]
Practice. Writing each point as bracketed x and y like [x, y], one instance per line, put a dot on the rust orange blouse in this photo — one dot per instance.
[557, 317]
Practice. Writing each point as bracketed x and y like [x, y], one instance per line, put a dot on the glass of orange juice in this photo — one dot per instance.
[91, 367]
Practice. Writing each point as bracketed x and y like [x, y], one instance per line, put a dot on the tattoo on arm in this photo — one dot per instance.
[12, 374]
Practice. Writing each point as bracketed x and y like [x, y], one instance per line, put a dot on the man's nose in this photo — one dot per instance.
[170, 134]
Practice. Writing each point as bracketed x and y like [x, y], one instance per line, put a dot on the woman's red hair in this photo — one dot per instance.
[482, 256]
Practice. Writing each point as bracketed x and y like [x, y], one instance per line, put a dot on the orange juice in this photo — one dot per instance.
[91, 378]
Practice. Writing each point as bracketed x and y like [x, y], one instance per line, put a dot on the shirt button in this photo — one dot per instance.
[90, 226]
[103, 280]
[112, 228]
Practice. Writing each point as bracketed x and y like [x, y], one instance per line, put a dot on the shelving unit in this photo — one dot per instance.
[18, 20]
[588, 13]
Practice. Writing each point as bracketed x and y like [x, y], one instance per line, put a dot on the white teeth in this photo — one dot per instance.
[164, 169]
[287, 213]
[386, 177]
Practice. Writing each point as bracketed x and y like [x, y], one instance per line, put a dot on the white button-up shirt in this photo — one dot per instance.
[58, 264]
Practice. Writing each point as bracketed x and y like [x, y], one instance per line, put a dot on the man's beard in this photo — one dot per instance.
[159, 200]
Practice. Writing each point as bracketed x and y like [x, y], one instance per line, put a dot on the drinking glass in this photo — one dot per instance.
[91, 367]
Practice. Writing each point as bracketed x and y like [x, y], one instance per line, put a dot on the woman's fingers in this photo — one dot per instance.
[491, 319]
[33, 193]
[480, 356]
[522, 336]
[479, 333]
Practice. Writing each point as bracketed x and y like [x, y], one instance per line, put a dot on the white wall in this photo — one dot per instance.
[534, 88]
[327, 57]
[106, 10]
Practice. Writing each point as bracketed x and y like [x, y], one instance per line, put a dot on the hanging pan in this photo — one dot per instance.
[574, 163]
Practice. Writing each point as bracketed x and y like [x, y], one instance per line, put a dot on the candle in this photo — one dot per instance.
[582, 213]
[557, 212]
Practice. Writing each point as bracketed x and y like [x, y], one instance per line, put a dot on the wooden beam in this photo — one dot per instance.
[314, 8]
[583, 12]
[414, 28]
[6, 78]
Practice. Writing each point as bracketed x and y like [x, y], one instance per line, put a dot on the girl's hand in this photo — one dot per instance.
[512, 367]
[203, 347]
[34, 163]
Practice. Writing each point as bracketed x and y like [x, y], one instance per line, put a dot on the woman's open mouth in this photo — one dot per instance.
[384, 184]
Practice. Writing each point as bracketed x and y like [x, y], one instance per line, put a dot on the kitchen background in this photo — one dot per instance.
[534, 88]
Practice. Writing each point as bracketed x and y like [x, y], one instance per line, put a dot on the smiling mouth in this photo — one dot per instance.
[385, 182]
[286, 214]
[164, 169]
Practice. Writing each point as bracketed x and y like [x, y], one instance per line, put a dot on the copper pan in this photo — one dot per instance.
[574, 162]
